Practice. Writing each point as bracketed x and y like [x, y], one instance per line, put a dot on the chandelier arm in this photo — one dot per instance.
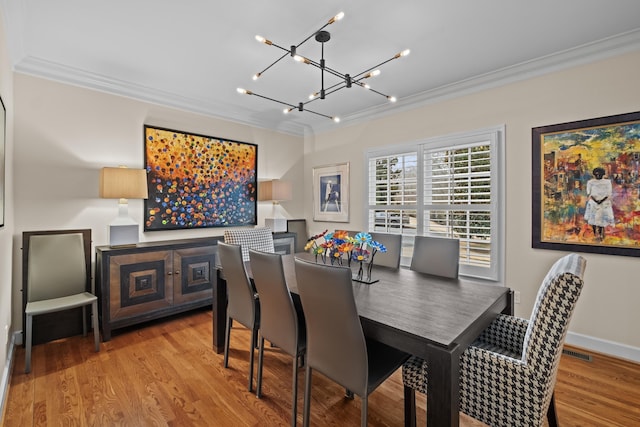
[272, 64]
[274, 100]
[331, 21]
[319, 114]
[371, 90]
[375, 66]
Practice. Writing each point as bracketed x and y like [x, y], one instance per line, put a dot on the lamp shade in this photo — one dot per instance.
[123, 183]
[275, 190]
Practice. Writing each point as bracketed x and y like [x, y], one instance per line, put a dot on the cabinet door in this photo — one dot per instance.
[194, 271]
[140, 283]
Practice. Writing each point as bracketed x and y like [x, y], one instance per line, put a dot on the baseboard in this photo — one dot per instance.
[621, 351]
[6, 377]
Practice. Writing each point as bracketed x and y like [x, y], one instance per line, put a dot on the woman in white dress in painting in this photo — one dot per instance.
[599, 211]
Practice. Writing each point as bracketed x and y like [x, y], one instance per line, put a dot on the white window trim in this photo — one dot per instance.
[496, 134]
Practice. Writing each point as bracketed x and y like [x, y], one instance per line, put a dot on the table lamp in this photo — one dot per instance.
[123, 183]
[275, 191]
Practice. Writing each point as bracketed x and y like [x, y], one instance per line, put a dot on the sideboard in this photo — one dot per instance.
[152, 280]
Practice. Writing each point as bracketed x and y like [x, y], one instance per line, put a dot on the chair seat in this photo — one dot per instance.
[49, 306]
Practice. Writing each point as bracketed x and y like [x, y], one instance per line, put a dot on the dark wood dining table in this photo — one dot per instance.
[428, 316]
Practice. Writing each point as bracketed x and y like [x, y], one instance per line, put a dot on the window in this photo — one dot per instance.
[450, 187]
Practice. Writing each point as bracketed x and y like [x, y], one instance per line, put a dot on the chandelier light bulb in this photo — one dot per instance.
[301, 59]
[392, 98]
[256, 76]
[286, 110]
[339, 16]
[313, 95]
[242, 91]
[366, 86]
[336, 119]
[405, 52]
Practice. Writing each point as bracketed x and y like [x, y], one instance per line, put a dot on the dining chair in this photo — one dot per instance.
[439, 256]
[280, 323]
[57, 279]
[393, 243]
[243, 304]
[299, 227]
[507, 375]
[259, 238]
[336, 345]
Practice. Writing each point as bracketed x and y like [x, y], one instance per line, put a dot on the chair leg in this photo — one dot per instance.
[84, 320]
[254, 340]
[409, 407]
[552, 416]
[27, 357]
[307, 397]
[294, 404]
[365, 406]
[96, 331]
[260, 359]
[227, 335]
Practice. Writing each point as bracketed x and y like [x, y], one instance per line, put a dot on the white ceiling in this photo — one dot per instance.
[194, 54]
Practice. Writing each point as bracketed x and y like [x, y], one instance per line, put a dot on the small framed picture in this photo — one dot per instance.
[331, 193]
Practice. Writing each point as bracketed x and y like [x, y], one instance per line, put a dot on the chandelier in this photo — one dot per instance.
[345, 80]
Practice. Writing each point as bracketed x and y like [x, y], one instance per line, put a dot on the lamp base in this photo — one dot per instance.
[277, 225]
[123, 235]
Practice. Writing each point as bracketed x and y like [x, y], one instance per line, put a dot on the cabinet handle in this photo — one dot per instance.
[169, 273]
[177, 271]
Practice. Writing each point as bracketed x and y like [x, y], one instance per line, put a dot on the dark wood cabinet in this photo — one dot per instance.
[153, 280]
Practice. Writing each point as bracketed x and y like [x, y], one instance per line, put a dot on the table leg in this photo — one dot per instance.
[443, 388]
[219, 312]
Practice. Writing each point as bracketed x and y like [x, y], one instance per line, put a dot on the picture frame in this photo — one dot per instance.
[331, 193]
[585, 186]
[198, 181]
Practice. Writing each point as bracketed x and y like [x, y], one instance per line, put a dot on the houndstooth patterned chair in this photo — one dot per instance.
[259, 239]
[508, 374]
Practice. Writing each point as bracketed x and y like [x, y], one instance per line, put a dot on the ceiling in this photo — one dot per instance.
[193, 55]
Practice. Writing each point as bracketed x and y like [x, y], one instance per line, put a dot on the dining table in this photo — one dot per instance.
[431, 317]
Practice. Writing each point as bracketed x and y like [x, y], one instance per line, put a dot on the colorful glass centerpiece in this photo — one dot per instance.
[339, 249]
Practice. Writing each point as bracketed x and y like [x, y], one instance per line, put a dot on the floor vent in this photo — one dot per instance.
[578, 355]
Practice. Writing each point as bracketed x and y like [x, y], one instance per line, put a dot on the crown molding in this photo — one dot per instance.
[584, 54]
[581, 55]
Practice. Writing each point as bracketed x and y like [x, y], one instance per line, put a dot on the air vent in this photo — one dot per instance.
[578, 355]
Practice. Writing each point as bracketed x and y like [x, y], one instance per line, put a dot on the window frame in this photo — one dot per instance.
[495, 135]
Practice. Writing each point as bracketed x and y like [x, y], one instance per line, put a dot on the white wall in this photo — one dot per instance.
[6, 232]
[607, 313]
[66, 134]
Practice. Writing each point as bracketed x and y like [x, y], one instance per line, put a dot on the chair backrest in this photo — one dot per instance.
[56, 266]
[335, 342]
[549, 322]
[260, 238]
[299, 226]
[439, 256]
[240, 294]
[393, 243]
[278, 317]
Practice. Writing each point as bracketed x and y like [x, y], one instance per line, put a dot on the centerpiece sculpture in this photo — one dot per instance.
[339, 249]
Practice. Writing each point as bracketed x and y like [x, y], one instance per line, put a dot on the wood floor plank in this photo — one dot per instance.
[165, 373]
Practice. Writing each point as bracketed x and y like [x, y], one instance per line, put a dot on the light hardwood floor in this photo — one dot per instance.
[165, 373]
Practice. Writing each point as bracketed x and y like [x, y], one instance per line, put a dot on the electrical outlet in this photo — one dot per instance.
[516, 297]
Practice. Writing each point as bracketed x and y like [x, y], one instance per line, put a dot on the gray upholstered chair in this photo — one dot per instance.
[393, 243]
[280, 323]
[439, 256]
[57, 279]
[243, 304]
[508, 374]
[259, 238]
[336, 345]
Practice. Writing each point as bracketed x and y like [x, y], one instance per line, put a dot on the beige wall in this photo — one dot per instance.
[6, 232]
[607, 312]
[66, 134]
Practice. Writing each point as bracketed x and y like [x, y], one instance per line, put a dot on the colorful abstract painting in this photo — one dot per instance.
[587, 185]
[198, 181]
